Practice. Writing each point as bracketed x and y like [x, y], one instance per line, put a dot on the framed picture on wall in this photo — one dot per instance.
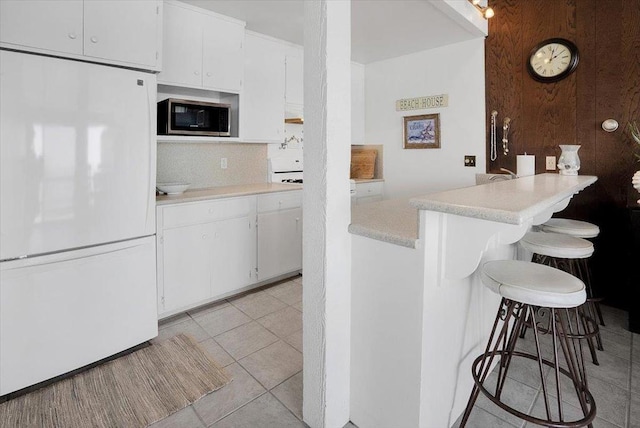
[422, 132]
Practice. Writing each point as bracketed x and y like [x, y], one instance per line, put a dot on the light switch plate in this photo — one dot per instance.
[223, 163]
[551, 163]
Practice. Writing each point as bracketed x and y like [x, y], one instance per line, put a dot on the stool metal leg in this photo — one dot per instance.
[590, 331]
[576, 367]
[505, 311]
[593, 302]
[566, 339]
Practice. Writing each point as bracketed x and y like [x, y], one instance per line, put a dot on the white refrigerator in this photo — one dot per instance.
[77, 215]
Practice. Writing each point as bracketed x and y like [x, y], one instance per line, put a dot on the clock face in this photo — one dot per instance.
[553, 60]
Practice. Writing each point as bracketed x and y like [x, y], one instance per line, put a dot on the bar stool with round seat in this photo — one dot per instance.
[549, 297]
[578, 229]
[566, 253]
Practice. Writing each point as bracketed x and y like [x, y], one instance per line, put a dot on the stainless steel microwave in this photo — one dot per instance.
[187, 117]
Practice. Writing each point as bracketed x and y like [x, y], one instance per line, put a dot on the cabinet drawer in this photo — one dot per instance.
[202, 212]
[369, 189]
[279, 201]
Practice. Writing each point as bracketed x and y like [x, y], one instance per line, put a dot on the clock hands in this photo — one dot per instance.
[552, 60]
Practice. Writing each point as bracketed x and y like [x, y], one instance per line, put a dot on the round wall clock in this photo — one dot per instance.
[553, 60]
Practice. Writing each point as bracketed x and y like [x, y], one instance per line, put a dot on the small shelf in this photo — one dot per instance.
[195, 139]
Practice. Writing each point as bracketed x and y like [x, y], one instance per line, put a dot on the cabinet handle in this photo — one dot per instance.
[72, 35]
[204, 236]
[94, 40]
[197, 73]
[208, 74]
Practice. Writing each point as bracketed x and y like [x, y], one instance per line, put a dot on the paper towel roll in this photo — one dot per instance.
[526, 165]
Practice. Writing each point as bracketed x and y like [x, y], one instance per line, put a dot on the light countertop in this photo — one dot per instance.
[225, 192]
[392, 220]
[367, 180]
[509, 201]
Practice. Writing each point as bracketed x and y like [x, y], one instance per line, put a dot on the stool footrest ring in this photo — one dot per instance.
[556, 424]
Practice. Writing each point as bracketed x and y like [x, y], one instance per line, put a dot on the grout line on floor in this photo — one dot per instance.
[236, 409]
[290, 411]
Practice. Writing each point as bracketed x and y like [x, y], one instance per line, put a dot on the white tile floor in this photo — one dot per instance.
[258, 338]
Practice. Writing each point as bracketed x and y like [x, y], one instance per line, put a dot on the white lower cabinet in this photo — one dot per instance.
[212, 249]
[234, 259]
[206, 260]
[368, 192]
[279, 242]
[187, 253]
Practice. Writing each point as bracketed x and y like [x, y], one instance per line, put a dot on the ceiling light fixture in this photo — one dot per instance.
[486, 11]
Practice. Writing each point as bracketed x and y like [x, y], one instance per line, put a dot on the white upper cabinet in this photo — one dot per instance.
[125, 33]
[51, 25]
[262, 102]
[182, 46]
[294, 79]
[201, 49]
[222, 54]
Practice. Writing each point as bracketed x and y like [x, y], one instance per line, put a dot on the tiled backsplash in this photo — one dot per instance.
[199, 164]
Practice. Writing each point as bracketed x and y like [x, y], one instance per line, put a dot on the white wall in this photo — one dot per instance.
[456, 70]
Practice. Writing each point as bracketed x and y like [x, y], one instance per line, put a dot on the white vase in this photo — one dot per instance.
[636, 182]
[569, 161]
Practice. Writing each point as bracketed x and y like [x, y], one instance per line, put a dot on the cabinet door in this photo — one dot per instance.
[262, 105]
[182, 46]
[187, 265]
[279, 243]
[222, 54]
[294, 80]
[234, 253]
[124, 31]
[49, 25]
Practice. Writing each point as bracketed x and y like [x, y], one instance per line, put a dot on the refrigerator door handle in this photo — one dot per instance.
[151, 110]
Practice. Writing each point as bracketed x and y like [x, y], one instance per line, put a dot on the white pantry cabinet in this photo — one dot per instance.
[205, 251]
[201, 49]
[294, 93]
[262, 101]
[124, 33]
[279, 234]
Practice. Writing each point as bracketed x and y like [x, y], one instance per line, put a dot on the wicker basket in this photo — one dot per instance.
[363, 163]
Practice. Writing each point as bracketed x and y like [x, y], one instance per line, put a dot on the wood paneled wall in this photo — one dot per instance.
[606, 84]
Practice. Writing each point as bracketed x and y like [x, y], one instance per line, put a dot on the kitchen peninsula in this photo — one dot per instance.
[420, 313]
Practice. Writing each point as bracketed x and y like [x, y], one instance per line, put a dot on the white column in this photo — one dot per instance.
[327, 213]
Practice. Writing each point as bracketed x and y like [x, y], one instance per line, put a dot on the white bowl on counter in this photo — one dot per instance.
[172, 188]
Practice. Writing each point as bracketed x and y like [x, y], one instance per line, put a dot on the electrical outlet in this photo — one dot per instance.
[551, 163]
[469, 160]
[223, 163]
